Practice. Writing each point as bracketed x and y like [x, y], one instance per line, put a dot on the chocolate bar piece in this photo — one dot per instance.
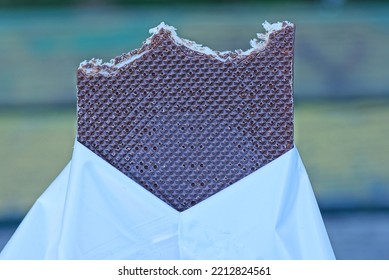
[184, 121]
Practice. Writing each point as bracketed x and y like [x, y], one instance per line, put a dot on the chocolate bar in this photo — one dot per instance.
[184, 121]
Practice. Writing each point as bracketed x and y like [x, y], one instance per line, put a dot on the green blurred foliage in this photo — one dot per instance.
[343, 145]
[37, 3]
[40, 3]
[59, 3]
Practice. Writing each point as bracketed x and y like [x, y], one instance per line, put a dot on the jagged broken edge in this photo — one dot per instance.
[96, 66]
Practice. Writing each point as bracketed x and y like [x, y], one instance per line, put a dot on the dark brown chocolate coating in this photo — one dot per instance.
[186, 125]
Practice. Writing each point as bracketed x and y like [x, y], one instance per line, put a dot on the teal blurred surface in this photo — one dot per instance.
[340, 52]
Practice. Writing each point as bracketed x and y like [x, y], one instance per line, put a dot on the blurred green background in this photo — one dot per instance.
[341, 84]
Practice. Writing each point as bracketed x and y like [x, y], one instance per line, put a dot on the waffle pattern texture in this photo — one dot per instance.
[185, 124]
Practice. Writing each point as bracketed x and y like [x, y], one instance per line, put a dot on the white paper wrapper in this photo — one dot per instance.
[93, 211]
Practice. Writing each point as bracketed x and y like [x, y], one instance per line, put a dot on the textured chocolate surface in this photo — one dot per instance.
[184, 124]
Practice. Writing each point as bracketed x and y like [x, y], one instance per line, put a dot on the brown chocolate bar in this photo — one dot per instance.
[184, 121]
